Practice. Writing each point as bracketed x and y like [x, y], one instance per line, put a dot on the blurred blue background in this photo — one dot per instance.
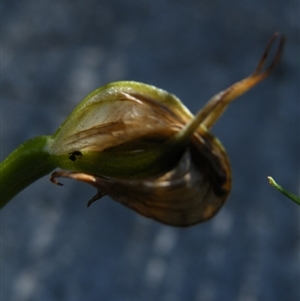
[56, 52]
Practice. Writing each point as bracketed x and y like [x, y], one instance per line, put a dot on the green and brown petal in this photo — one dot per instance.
[141, 146]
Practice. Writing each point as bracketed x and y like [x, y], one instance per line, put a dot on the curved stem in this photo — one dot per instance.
[29, 162]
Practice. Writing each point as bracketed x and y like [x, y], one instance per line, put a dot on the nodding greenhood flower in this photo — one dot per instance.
[141, 146]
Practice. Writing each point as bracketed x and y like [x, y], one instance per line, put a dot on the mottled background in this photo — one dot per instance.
[54, 53]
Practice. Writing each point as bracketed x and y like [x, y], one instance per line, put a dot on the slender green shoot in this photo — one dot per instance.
[291, 196]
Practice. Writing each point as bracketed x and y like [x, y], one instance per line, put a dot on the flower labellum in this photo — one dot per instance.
[142, 147]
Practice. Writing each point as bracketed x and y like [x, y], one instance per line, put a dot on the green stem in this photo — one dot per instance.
[29, 162]
[291, 196]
